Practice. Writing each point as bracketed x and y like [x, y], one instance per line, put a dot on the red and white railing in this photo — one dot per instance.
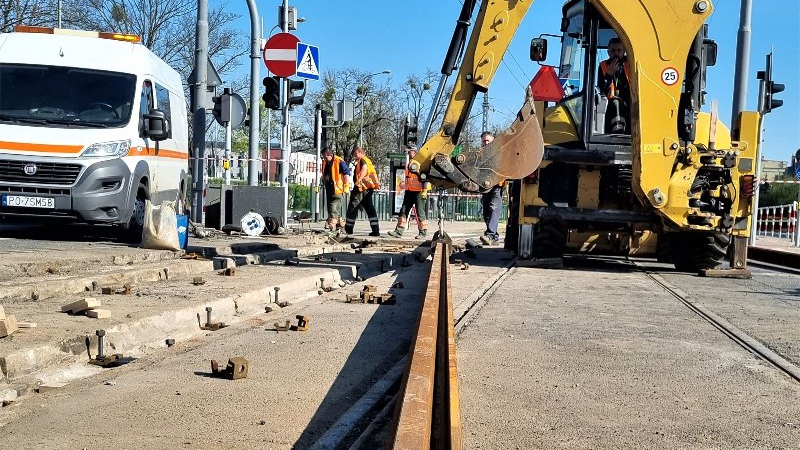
[779, 221]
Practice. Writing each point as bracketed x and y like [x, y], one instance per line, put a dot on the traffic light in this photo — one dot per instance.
[770, 88]
[272, 93]
[296, 85]
[222, 107]
[409, 133]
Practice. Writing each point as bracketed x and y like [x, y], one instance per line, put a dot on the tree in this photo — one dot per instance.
[776, 194]
[167, 27]
[27, 12]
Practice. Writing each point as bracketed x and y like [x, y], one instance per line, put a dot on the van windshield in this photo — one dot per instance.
[65, 96]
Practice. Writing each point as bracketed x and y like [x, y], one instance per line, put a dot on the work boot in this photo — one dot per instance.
[375, 232]
[396, 233]
[423, 234]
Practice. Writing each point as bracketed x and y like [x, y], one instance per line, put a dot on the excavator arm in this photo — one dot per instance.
[514, 153]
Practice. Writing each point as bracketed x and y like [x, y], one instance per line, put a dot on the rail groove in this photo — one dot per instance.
[428, 415]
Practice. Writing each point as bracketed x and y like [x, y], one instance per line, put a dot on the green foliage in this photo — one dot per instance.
[775, 194]
[299, 197]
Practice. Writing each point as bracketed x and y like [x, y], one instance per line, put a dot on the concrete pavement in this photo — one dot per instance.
[164, 303]
[598, 356]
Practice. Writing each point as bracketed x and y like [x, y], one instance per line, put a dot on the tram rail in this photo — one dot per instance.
[428, 414]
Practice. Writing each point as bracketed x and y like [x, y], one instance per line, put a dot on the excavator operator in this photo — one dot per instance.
[612, 81]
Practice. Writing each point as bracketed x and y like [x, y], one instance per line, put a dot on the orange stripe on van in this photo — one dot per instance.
[162, 152]
[41, 148]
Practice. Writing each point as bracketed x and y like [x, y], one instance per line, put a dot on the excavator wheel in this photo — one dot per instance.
[693, 252]
[511, 241]
[549, 239]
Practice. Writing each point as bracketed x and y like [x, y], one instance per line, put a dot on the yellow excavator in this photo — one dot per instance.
[675, 182]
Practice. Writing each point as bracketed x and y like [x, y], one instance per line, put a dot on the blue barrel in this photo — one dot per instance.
[183, 230]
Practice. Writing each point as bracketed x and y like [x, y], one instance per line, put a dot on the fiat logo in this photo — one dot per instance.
[31, 169]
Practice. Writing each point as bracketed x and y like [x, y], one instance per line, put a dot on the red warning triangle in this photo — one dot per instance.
[546, 87]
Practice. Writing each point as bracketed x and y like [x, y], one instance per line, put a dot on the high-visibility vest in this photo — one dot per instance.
[413, 183]
[613, 88]
[370, 180]
[336, 175]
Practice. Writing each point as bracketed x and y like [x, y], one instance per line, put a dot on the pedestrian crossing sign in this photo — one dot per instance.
[307, 61]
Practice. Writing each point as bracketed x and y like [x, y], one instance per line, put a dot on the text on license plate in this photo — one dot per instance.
[24, 201]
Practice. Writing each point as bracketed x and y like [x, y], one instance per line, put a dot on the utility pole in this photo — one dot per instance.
[199, 113]
[318, 140]
[286, 144]
[742, 64]
[255, 110]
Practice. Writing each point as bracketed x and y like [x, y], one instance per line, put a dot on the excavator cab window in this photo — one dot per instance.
[585, 44]
[573, 55]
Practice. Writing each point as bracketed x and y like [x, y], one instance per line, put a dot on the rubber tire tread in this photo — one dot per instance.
[549, 240]
[693, 252]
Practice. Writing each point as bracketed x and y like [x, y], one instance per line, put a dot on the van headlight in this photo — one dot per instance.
[114, 148]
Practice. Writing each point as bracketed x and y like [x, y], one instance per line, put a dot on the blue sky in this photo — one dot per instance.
[411, 36]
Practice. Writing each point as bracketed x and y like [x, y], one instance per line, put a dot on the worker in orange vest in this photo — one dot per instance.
[365, 183]
[335, 175]
[613, 81]
[415, 196]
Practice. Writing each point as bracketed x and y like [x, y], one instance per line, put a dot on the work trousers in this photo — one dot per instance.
[492, 202]
[413, 199]
[361, 200]
[334, 201]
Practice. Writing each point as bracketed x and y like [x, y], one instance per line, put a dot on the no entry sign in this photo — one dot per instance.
[280, 54]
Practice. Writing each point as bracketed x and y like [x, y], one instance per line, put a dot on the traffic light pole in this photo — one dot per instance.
[199, 113]
[255, 117]
[228, 133]
[286, 145]
[756, 195]
[318, 139]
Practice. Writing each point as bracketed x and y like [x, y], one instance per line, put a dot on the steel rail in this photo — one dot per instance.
[738, 336]
[428, 415]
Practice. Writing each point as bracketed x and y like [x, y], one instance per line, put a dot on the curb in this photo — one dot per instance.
[73, 285]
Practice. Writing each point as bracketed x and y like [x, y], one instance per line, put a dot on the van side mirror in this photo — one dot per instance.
[157, 125]
[538, 49]
[710, 49]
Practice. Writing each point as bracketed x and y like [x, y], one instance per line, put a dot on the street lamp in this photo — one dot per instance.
[363, 99]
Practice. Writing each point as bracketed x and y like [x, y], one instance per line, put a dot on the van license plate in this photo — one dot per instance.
[24, 201]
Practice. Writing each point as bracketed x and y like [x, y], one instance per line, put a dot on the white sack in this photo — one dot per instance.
[160, 227]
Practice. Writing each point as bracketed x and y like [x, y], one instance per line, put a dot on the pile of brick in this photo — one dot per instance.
[89, 307]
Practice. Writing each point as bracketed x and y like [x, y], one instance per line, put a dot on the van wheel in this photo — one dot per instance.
[132, 231]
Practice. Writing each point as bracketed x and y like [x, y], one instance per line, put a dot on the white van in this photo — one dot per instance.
[91, 125]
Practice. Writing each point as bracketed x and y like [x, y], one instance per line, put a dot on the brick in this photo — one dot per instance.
[51, 386]
[81, 305]
[2, 313]
[99, 313]
[8, 326]
[26, 324]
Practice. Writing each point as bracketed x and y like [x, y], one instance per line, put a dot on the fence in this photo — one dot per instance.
[779, 221]
[455, 207]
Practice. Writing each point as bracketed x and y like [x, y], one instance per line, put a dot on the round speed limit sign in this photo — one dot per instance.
[669, 76]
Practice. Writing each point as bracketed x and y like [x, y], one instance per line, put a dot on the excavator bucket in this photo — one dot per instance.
[514, 154]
